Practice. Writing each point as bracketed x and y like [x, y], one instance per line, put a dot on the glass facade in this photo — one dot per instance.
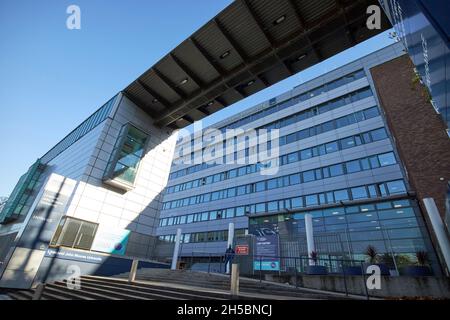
[362, 164]
[23, 194]
[74, 233]
[377, 190]
[394, 228]
[300, 135]
[303, 115]
[128, 151]
[197, 237]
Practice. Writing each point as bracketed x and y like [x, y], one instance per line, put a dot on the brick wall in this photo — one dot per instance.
[418, 130]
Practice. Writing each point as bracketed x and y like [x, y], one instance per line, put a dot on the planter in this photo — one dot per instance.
[384, 269]
[417, 271]
[353, 271]
[316, 270]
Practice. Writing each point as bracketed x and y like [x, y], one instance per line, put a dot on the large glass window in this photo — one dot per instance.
[387, 159]
[125, 158]
[74, 233]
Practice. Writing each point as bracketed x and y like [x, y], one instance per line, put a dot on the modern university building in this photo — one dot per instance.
[362, 151]
[338, 161]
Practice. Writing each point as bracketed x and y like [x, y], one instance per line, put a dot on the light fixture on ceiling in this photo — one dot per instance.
[210, 103]
[250, 83]
[154, 100]
[302, 56]
[225, 54]
[279, 20]
[184, 81]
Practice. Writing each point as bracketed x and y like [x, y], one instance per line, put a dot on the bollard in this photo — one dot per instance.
[234, 288]
[132, 274]
[38, 292]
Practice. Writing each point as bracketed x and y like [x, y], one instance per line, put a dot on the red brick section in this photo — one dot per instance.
[419, 132]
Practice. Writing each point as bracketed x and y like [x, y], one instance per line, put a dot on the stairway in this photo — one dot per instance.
[164, 284]
[99, 288]
[222, 282]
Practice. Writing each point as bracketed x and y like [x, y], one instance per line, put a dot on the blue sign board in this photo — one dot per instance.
[266, 253]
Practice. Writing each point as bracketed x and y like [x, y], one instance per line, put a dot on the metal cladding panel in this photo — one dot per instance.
[249, 46]
[270, 11]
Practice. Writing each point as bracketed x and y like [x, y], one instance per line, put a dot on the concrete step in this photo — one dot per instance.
[222, 282]
[153, 290]
[104, 293]
[121, 291]
[61, 292]
[21, 294]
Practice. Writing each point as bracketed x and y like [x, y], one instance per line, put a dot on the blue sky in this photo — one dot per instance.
[52, 78]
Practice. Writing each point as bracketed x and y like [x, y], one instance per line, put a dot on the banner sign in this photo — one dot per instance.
[110, 240]
[266, 247]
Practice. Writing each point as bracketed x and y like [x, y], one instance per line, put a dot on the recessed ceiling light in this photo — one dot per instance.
[300, 57]
[225, 54]
[184, 81]
[250, 82]
[155, 100]
[279, 20]
[210, 103]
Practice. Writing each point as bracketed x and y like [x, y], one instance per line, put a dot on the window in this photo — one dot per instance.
[378, 134]
[292, 157]
[336, 170]
[272, 184]
[331, 147]
[365, 164]
[240, 211]
[371, 113]
[374, 162]
[386, 159]
[291, 138]
[260, 186]
[241, 190]
[294, 178]
[124, 162]
[231, 192]
[353, 166]
[347, 143]
[308, 176]
[296, 203]
[396, 187]
[232, 173]
[229, 213]
[311, 200]
[359, 193]
[272, 206]
[341, 195]
[74, 233]
[305, 154]
[260, 207]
